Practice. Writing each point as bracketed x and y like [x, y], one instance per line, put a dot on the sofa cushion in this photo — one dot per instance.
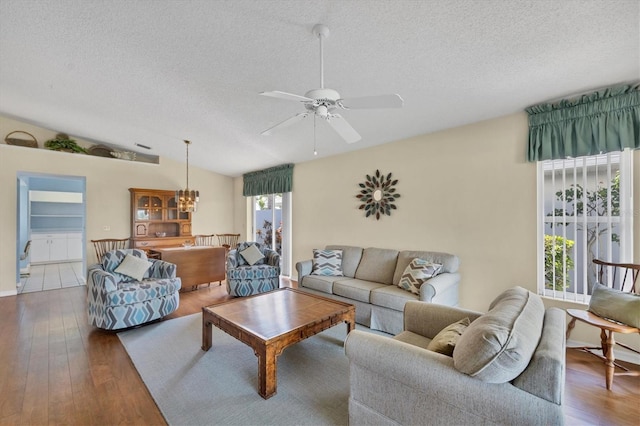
[133, 267]
[243, 246]
[321, 283]
[412, 338]
[327, 262]
[355, 289]
[392, 297]
[498, 346]
[351, 257]
[416, 273]
[247, 272]
[252, 255]
[449, 262]
[445, 341]
[136, 292]
[112, 259]
[377, 265]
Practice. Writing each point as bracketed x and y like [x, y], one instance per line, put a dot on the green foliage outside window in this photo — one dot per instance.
[556, 257]
[578, 203]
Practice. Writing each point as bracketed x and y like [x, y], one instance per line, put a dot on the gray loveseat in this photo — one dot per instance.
[370, 283]
[508, 367]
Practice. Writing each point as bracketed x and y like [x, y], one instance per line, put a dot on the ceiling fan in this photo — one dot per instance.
[323, 102]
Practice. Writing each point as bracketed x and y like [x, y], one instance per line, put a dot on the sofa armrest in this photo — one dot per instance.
[272, 257]
[442, 289]
[408, 384]
[304, 268]
[161, 269]
[101, 280]
[428, 319]
[545, 374]
[232, 261]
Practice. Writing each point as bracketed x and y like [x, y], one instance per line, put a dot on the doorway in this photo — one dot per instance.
[272, 225]
[51, 228]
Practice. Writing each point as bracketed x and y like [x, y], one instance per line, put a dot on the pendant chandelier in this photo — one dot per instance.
[187, 199]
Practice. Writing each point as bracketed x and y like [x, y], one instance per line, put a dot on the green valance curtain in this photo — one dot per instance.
[268, 181]
[603, 121]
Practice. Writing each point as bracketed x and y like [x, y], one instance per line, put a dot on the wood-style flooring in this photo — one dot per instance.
[56, 369]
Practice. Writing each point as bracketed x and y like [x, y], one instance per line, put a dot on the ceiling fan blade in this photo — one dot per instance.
[286, 96]
[343, 128]
[286, 123]
[381, 101]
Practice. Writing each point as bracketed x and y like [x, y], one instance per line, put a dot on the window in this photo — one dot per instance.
[272, 225]
[584, 213]
[268, 221]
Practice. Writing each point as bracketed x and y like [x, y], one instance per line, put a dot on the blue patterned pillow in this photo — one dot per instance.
[416, 273]
[327, 262]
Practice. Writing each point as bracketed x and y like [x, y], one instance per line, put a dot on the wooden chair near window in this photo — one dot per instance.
[228, 241]
[205, 240]
[108, 244]
[628, 273]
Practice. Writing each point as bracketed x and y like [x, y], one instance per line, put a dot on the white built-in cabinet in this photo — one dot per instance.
[56, 247]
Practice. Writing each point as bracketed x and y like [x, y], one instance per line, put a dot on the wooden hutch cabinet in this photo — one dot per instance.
[155, 212]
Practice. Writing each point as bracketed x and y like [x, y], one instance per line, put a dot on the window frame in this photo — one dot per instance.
[625, 221]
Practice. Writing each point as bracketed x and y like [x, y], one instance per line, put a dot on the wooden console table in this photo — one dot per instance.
[195, 265]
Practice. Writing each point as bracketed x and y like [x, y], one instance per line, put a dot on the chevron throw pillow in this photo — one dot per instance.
[327, 262]
[416, 273]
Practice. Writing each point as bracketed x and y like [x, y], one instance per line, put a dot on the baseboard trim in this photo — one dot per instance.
[9, 293]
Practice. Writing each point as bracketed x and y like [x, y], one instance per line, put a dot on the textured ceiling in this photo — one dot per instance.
[156, 72]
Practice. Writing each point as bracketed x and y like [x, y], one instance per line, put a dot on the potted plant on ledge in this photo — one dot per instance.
[63, 142]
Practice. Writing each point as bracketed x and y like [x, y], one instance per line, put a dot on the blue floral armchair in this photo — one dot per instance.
[244, 279]
[116, 301]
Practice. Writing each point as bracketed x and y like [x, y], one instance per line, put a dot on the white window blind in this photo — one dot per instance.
[584, 213]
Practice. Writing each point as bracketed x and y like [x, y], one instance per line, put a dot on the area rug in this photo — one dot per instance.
[219, 387]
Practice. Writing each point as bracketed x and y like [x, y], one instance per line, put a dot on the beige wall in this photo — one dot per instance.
[107, 183]
[467, 191]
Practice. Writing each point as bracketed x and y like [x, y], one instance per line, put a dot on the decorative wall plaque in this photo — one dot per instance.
[378, 195]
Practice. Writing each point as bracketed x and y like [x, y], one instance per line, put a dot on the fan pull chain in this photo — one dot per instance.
[314, 135]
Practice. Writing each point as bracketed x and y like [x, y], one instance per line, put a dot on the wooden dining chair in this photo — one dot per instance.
[628, 275]
[228, 241]
[108, 244]
[205, 240]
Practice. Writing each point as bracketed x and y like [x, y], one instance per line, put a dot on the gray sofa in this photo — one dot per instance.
[507, 367]
[370, 283]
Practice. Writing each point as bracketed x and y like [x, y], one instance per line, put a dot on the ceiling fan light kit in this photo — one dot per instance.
[323, 102]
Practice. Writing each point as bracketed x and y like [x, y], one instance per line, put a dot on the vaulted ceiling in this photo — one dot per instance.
[155, 72]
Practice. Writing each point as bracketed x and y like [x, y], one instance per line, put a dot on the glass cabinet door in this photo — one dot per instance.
[172, 209]
[155, 208]
[142, 209]
[149, 208]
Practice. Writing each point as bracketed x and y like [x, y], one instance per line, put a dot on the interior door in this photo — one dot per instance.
[272, 224]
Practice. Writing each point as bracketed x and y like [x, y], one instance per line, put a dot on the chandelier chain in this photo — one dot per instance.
[187, 144]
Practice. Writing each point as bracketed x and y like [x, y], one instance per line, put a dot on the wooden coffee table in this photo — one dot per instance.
[270, 322]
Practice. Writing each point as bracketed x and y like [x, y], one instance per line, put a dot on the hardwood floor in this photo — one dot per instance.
[56, 369]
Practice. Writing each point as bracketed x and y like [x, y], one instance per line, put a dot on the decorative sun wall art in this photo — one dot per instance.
[378, 195]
